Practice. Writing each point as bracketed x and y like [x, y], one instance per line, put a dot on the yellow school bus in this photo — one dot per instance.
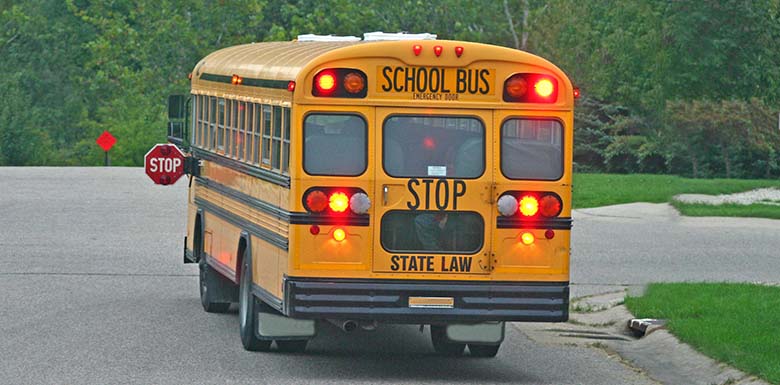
[367, 182]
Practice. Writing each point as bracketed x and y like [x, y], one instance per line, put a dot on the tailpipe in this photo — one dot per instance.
[347, 325]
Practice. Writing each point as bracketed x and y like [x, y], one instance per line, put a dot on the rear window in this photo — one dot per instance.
[532, 149]
[458, 232]
[428, 146]
[334, 144]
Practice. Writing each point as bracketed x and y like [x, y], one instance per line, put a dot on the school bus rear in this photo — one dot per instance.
[433, 185]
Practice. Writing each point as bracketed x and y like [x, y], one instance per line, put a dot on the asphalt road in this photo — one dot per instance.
[93, 290]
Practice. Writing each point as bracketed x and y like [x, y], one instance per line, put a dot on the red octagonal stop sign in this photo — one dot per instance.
[164, 163]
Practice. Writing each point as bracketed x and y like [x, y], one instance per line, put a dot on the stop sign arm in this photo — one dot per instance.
[192, 165]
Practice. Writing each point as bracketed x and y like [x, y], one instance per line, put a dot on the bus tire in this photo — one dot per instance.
[485, 351]
[292, 346]
[444, 346]
[248, 306]
[210, 284]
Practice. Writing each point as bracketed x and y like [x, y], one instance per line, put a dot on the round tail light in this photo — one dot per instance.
[529, 206]
[316, 201]
[359, 203]
[507, 205]
[338, 202]
[550, 205]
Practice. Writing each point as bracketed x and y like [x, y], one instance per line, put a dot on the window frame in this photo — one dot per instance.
[332, 113]
[536, 118]
[423, 252]
[484, 145]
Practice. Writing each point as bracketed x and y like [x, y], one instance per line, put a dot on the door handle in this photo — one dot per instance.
[385, 192]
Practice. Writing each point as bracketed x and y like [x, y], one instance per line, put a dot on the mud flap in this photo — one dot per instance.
[272, 325]
[488, 333]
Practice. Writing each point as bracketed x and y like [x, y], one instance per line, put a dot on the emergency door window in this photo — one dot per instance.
[454, 232]
[334, 144]
[532, 149]
[434, 146]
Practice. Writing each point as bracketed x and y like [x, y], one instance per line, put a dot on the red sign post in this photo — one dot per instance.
[164, 163]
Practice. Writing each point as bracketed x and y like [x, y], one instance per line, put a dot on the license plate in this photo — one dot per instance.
[432, 302]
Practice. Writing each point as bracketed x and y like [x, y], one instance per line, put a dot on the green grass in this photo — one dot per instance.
[755, 210]
[733, 323]
[593, 190]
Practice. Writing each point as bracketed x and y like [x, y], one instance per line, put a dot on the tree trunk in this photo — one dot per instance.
[726, 161]
[511, 24]
[526, 10]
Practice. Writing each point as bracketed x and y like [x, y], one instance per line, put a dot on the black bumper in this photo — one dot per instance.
[388, 300]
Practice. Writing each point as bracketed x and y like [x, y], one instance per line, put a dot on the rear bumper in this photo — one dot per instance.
[388, 300]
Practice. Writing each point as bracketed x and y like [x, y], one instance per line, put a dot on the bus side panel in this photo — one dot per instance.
[265, 266]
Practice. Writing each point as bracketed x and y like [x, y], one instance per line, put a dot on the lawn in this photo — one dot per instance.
[755, 210]
[731, 322]
[593, 190]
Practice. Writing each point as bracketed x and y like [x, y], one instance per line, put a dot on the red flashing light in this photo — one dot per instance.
[458, 51]
[576, 92]
[354, 83]
[437, 50]
[237, 80]
[316, 201]
[417, 49]
[325, 82]
[516, 86]
[544, 87]
[291, 86]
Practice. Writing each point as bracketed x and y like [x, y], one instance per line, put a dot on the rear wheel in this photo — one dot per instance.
[444, 346]
[483, 350]
[209, 286]
[248, 306]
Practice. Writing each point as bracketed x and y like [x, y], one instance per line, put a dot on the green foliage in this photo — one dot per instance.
[682, 87]
[594, 190]
[735, 323]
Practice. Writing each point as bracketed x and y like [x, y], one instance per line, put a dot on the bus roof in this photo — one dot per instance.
[284, 61]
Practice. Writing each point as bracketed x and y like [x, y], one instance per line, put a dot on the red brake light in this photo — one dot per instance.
[417, 49]
[316, 201]
[550, 205]
[339, 202]
[437, 50]
[458, 51]
[529, 206]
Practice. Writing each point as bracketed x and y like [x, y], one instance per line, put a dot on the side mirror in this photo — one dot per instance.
[176, 108]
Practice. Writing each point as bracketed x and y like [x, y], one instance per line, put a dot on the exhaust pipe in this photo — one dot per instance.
[345, 325]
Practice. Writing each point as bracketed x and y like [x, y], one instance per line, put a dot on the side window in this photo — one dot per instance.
[212, 140]
[266, 135]
[532, 149]
[221, 125]
[277, 139]
[334, 144]
[257, 134]
[286, 143]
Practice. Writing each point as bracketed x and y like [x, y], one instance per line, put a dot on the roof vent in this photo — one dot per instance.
[312, 37]
[382, 36]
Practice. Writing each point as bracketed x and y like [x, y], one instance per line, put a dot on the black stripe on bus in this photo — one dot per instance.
[549, 223]
[295, 218]
[252, 228]
[252, 82]
[268, 176]
[248, 200]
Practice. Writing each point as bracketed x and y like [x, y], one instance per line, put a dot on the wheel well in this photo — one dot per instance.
[197, 238]
[242, 245]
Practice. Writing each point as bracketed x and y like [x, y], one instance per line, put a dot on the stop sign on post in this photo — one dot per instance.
[164, 163]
